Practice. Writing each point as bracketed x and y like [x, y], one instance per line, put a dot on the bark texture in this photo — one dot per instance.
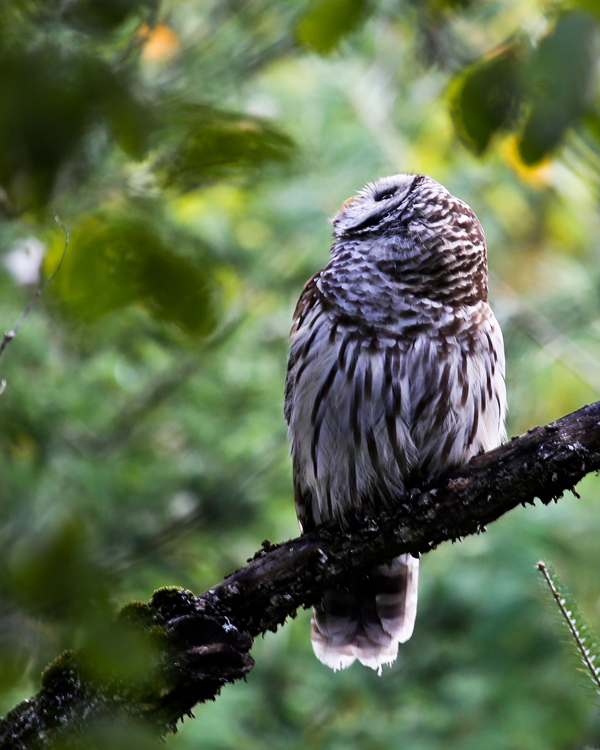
[191, 646]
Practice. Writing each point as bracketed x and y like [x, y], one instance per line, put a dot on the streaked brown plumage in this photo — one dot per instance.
[396, 370]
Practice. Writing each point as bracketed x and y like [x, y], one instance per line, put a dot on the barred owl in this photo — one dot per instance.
[395, 373]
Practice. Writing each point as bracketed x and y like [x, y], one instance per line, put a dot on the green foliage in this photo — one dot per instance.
[214, 145]
[539, 93]
[64, 98]
[583, 638]
[53, 92]
[104, 16]
[196, 150]
[126, 255]
[116, 653]
[486, 98]
[52, 574]
[107, 734]
[327, 22]
[562, 81]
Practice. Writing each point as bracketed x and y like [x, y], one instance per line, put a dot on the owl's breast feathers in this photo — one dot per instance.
[380, 387]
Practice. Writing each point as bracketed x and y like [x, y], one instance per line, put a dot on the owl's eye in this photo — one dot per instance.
[385, 195]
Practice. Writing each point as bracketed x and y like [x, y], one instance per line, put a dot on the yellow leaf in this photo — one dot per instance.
[538, 175]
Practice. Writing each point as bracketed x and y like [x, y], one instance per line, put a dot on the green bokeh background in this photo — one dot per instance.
[196, 150]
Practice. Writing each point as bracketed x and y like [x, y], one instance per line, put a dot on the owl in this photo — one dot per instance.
[395, 374]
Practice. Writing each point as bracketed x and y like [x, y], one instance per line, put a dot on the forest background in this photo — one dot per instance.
[196, 150]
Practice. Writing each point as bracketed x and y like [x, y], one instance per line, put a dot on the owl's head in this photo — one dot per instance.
[432, 242]
[385, 202]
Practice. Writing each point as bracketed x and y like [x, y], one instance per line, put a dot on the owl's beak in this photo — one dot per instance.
[345, 204]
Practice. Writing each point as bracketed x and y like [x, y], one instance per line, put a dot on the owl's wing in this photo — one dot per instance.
[304, 501]
[308, 299]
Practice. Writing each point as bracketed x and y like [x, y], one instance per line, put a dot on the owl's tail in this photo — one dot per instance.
[367, 623]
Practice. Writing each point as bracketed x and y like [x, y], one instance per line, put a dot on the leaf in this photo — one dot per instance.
[561, 82]
[591, 125]
[117, 258]
[327, 22]
[52, 572]
[452, 4]
[52, 95]
[592, 6]
[583, 638]
[215, 145]
[103, 15]
[486, 97]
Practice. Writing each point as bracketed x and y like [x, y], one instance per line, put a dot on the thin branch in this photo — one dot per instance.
[8, 337]
[201, 642]
[577, 632]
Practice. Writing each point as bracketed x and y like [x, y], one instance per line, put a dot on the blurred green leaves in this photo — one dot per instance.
[114, 735]
[123, 651]
[75, 105]
[538, 92]
[212, 145]
[52, 96]
[327, 22]
[104, 15]
[561, 78]
[70, 94]
[53, 573]
[124, 255]
[485, 99]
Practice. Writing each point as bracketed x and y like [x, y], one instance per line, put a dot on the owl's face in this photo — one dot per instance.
[381, 203]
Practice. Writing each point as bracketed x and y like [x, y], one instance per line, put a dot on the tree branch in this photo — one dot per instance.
[191, 646]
